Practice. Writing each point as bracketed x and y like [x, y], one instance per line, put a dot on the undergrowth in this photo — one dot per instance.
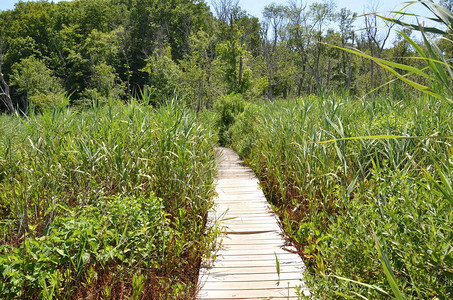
[109, 203]
[340, 199]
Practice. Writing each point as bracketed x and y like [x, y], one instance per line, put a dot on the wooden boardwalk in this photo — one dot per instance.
[246, 264]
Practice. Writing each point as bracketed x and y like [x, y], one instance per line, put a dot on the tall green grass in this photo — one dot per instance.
[105, 203]
[340, 200]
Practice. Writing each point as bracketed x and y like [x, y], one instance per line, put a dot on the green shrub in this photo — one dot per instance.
[81, 247]
[105, 86]
[228, 108]
[164, 76]
[242, 132]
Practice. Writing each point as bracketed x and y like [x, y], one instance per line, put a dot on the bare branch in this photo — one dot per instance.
[5, 95]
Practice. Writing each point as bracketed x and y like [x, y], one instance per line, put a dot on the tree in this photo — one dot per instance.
[321, 14]
[36, 81]
[197, 70]
[235, 31]
[346, 19]
[226, 10]
[299, 39]
[105, 85]
[274, 18]
[164, 75]
[376, 40]
[156, 24]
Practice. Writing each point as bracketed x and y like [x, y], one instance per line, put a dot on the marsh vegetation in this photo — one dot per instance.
[112, 109]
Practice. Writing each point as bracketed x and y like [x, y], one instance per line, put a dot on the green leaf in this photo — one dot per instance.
[60, 251]
[391, 279]
[444, 15]
[413, 44]
[383, 61]
[414, 84]
[277, 265]
[377, 137]
[446, 190]
[374, 287]
[413, 26]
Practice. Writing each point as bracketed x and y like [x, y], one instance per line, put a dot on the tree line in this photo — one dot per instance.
[93, 51]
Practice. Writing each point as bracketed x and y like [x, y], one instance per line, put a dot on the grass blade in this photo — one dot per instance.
[391, 279]
[374, 287]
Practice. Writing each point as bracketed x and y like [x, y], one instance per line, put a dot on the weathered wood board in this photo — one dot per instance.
[246, 264]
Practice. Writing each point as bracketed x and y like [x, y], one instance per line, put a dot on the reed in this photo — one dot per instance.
[116, 198]
[394, 181]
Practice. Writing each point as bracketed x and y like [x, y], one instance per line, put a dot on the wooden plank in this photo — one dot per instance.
[277, 247]
[272, 239]
[261, 257]
[214, 277]
[245, 267]
[253, 252]
[271, 269]
[244, 213]
[256, 218]
[239, 208]
[250, 285]
[251, 265]
[214, 295]
[262, 221]
[279, 293]
[237, 201]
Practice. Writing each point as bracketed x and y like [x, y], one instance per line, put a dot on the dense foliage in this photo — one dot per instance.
[108, 203]
[339, 200]
[106, 179]
[94, 50]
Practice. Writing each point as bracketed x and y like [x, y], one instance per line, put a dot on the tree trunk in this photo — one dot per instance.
[4, 91]
[302, 77]
[348, 84]
[329, 70]
[241, 66]
[200, 95]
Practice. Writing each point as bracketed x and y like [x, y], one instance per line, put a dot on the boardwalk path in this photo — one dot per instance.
[246, 266]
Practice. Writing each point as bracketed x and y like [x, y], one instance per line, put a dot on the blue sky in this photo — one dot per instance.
[255, 7]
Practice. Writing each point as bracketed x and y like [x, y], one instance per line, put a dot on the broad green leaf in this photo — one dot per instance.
[413, 44]
[60, 251]
[413, 26]
[414, 84]
[383, 61]
[444, 15]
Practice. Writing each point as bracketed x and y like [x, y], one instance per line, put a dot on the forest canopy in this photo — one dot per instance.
[101, 50]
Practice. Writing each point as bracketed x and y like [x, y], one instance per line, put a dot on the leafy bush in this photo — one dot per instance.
[106, 86]
[228, 108]
[242, 132]
[124, 233]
